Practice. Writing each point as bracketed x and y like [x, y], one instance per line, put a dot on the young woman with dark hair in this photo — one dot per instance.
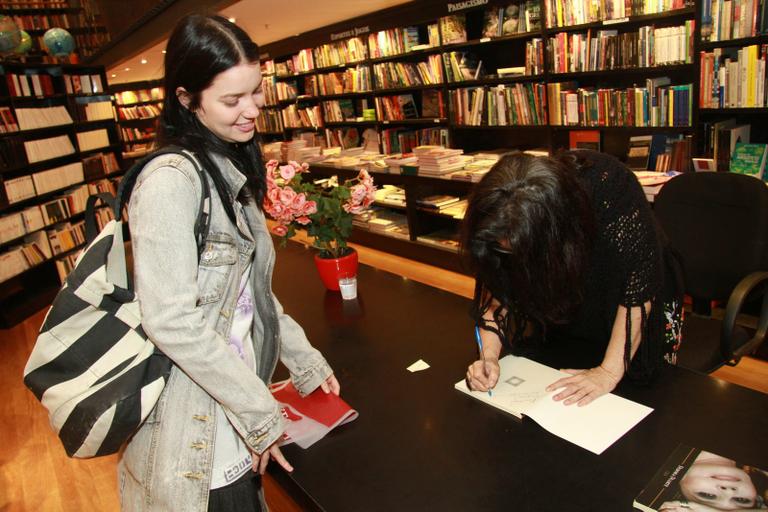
[569, 272]
[216, 424]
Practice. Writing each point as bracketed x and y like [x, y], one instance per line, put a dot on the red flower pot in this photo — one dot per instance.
[331, 268]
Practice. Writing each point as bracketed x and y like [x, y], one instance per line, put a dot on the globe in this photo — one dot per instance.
[10, 35]
[26, 43]
[58, 42]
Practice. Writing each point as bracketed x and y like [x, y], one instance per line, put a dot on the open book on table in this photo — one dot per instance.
[521, 392]
[311, 417]
[697, 480]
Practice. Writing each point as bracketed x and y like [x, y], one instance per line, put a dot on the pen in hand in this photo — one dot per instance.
[482, 355]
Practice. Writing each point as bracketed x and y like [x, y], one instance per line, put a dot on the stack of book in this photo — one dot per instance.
[438, 161]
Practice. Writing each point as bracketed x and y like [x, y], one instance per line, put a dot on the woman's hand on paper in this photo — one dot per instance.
[259, 462]
[331, 385]
[483, 375]
[584, 386]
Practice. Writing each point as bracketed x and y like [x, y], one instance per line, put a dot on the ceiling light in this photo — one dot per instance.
[143, 61]
[127, 69]
[232, 19]
[114, 75]
[163, 51]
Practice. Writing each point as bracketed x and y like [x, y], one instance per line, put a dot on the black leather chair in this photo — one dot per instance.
[718, 225]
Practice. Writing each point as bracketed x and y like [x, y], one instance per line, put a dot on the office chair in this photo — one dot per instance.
[717, 223]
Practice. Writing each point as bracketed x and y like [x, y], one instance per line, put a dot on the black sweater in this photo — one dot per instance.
[625, 269]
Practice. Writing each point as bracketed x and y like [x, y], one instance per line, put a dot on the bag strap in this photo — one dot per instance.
[124, 191]
[91, 226]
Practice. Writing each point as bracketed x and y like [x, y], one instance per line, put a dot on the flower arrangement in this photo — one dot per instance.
[325, 209]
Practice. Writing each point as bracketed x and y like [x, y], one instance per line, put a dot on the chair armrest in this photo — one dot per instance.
[732, 310]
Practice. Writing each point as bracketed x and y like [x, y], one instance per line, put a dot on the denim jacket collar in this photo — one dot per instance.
[234, 178]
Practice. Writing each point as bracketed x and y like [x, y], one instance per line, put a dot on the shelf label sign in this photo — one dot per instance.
[467, 4]
[351, 33]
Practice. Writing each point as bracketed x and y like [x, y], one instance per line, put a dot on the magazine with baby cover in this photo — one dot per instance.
[692, 479]
[312, 417]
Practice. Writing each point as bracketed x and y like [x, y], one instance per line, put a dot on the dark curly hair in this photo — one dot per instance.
[526, 236]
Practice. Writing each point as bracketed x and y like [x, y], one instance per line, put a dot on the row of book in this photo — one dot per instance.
[515, 18]
[722, 20]
[390, 75]
[18, 224]
[285, 91]
[658, 104]
[357, 79]
[131, 134]
[397, 41]
[31, 185]
[96, 110]
[269, 120]
[138, 112]
[565, 13]
[83, 84]
[8, 122]
[43, 117]
[309, 117]
[99, 164]
[733, 78]
[340, 53]
[29, 84]
[93, 139]
[139, 96]
[609, 49]
[45, 149]
[502, 105]
[397, 140]
[46, 21]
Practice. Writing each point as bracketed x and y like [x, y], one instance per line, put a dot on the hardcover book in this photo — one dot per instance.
[520, 391]
[694, 479]
[749, 159]
[312, 417]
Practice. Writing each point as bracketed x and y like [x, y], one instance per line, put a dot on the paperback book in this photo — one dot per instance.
[694, 479]
[312, 417]
[521, 391]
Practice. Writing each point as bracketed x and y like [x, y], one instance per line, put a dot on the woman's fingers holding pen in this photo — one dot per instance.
[483, 375]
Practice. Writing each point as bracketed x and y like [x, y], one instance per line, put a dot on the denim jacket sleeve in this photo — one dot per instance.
[162, 215]
[307, 366]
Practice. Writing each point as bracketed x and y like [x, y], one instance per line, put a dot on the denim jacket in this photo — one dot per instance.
[187, 311]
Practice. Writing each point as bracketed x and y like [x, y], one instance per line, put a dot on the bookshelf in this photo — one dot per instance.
[81, 18]
[59, 143]
[138, 105]
[559, 68]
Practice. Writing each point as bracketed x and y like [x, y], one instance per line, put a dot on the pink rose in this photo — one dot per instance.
[297, 205]
[358, 193]
[310, 207]
[287, 172]
[273, 194]
[303, 220]
[272, 165]
[286, 195]
[280, 230]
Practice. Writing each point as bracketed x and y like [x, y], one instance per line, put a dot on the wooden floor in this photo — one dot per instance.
[36, 475]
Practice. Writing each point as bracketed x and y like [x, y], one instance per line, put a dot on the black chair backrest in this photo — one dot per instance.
[718, 223]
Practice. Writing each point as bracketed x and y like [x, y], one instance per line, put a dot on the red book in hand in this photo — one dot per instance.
[310, 418]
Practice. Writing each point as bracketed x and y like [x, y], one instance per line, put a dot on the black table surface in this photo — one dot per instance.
[419, 444]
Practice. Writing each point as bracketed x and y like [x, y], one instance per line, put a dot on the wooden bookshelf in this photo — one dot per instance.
[27, 220]
[495, 52]
[143, 99]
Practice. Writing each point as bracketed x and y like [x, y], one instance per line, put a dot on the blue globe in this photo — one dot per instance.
[59, 42]
[10, 35]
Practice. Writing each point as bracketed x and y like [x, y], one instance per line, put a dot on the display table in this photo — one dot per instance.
[421, 445]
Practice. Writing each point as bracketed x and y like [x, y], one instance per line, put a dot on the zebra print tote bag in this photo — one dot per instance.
[92, 365]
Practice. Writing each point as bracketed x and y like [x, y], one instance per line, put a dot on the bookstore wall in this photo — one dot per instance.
[654, 82]
[425, 95]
